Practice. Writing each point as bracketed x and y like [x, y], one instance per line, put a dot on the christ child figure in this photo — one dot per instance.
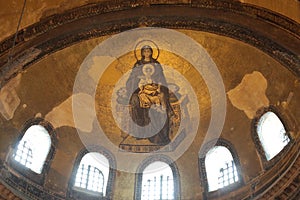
[149, 93]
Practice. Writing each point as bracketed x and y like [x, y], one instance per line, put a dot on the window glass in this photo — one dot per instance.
[157, 182]
[272, 134]
[33, 148]
[220, 168]
[92, 173]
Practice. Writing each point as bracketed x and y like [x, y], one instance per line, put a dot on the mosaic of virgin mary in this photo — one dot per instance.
[149, 98]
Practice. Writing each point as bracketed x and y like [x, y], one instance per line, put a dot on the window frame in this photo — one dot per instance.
[267, 164]
[202, 169]
[146, 163]
[88, 177]
[77, 193]
[21, 169]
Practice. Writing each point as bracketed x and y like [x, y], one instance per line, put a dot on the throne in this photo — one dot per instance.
[143, 145]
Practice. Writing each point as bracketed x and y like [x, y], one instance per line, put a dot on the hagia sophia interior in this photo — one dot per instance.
[150, 99]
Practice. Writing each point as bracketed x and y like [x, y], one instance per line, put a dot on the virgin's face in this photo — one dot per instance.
[147, 53]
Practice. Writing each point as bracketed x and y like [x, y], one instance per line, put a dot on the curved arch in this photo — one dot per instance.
[33, 148]
[157, 158]
[269, 160]
[28, 144]
[203, 172]
[71, 193]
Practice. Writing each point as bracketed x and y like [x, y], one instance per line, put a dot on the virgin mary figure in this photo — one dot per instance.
[149, 98]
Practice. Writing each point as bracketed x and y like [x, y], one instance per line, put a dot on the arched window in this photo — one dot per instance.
[157, 178]
[33, 148]
[157, 181]
[272, 134]
[92, 173]
[220, 168]
[32, 153]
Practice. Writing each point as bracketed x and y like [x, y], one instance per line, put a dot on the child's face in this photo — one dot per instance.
[148, 70]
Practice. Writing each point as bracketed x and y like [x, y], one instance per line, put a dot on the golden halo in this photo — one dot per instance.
[140, 44]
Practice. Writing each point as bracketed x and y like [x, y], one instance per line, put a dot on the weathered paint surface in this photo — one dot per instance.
[250, 94]
[9, 99]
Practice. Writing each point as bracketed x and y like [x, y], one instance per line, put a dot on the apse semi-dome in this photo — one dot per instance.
[149, 100]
